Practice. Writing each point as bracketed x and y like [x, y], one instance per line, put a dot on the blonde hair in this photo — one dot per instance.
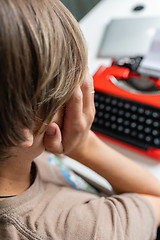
[42, 59]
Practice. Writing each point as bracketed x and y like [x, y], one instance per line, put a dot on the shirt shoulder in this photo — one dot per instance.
[120, 217]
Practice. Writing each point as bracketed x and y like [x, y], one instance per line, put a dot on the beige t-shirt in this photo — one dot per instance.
[52, 209]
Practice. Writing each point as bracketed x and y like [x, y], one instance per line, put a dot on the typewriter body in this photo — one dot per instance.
[128, 106]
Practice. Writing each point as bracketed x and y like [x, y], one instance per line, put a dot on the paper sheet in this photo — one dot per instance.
[151, 62]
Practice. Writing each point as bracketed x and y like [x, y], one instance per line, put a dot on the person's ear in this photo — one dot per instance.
[29, 138]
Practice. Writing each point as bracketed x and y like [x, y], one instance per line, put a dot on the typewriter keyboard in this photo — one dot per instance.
[128, 121]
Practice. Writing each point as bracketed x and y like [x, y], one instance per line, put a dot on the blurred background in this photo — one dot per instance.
[79, 7]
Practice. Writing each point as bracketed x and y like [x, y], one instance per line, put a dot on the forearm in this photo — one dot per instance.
[123, 174]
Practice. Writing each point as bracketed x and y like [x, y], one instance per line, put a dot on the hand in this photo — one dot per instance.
[79, 115]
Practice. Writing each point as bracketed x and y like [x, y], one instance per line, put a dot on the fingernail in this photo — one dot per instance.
[50, 132]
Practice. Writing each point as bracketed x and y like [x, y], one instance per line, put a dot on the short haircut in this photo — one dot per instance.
[42, 58]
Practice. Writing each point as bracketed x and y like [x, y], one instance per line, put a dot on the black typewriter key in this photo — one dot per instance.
[114, 110]
[108, 108]
[113, 118]
[127, 130]
[101, 98]
[134, 116]
[127, 114]
[100, 114]
[100, 122]
[120, 128]
[121, 112]
[155, 132]
[127, 106]
[141, 136]
[140, 110]
[156, 124]
[120, 104]
[147, 112]
[157, 141]
[140, 127]
[147, 130]
[134, 133]
[149, 121]
[148, 139]
[96, 104]
[119, 120]
[133, 108]
[133, 124]
[114, 102]
[95, 97]
[108, 100]
[113, 126]
[156, 114]
[106, 115]
[126, 123]
[101, 106]
[141, 119]
[107, 124]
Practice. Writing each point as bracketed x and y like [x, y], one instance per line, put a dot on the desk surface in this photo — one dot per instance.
[93, 25]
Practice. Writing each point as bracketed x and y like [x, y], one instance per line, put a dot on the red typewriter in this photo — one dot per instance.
[128, 106]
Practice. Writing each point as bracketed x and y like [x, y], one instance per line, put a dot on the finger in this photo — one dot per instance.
[53, 139]
[88, 94]
[74, 107]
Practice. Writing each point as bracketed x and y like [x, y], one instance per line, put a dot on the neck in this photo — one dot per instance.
[15, 173]
[15, 177]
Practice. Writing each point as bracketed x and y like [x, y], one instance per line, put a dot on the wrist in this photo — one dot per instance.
[84, 149]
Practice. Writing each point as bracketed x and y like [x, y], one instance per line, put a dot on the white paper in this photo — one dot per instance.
[151, 62]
